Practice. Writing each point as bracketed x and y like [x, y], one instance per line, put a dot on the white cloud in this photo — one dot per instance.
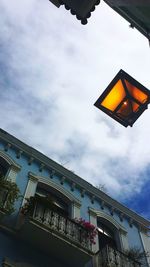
[54, 70]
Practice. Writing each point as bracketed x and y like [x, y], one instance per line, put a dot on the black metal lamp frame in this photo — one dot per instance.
[134, 115]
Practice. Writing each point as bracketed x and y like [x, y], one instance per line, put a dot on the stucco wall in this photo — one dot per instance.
[133, 235]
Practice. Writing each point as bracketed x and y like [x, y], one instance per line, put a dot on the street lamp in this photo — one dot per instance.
[124, 100]
[81, 8]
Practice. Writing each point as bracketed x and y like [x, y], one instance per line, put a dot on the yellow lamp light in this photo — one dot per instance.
[124, 99]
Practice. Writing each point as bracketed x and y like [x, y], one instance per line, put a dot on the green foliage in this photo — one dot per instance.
[47, 202]
[136, 254]
[102, 187]
[9, 193]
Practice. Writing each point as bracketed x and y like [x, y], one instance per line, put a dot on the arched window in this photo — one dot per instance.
[50, 194]
[8, 167]
[4, 167]
[106, 235]
[8, 173]
[54, 199]
[110, 231]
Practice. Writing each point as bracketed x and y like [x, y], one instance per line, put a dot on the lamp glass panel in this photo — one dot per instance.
[135, 106]
[136, 93]
[127, 108]
[114, 97]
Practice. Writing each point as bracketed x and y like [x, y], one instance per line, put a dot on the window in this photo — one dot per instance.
[9, 191]
[8, 167]
[106, 236]
[4, 167]
[60, 198]
[56, 200]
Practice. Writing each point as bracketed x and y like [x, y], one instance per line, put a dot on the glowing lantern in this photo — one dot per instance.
[124, 99]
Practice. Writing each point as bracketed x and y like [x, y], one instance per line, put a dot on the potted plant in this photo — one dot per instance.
[9, 193]
[91, 229]
[137, 255]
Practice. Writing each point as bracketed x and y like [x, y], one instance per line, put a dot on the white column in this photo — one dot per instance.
[76, 207]
[30, 191]
[93, 220]
[123, 240]
[12, 173]
[145, 237]
[31, 188]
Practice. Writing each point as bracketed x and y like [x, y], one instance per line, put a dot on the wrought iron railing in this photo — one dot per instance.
[110, 257]
[61, 225]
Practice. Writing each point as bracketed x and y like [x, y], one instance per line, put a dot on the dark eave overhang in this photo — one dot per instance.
[71, 177]
[80, 8]
[136, 12]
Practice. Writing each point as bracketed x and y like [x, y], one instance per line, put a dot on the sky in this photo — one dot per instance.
[52, 70]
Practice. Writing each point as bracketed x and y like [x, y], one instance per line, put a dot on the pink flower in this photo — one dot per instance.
[92, 231]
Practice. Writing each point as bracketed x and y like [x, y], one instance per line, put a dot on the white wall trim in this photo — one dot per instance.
[9, 160]
[108, 218]
[122, 233]
[14, 168]
[31, 189]
[145, 237]
[58, 187]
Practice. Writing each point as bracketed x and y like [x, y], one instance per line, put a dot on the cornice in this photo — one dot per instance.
[109, 218]
[72, 178]
[58, 187]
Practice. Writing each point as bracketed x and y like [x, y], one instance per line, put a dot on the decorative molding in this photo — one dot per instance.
[92, 213]
[92, 199]
[7, 147]
[77, 204]
[112, 209]
[10, 161]
[52, 173]
[120, 231]
[121, 216]
[71, 177]
[31, 159]
[41, 167]
[58, 187]
[32, 177]
[82, 192]
[109, 218]
[18, 154]
[102, 204]
[13, 168]
[62, 180]
[131, 222]
[73, 186]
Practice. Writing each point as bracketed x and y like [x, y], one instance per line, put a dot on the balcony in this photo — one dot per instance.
[59, 236]
[110, 257]
[62, 226]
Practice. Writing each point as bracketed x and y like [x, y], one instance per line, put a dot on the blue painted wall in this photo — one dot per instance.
[19, 251]
[13, 248]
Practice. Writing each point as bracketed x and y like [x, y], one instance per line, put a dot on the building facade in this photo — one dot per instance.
[136, 12]
[58, 219]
